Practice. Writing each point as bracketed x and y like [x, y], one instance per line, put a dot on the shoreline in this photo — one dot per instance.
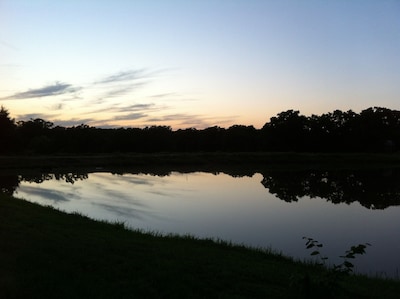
[44, 249]
[208, 161]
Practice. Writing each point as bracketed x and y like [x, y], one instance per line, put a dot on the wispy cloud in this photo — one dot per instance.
[58, 106]
[136, 107]
[55, 89]
[122, 83]
[172, 117]
[164, 95]
[54, 118]
[129, 108]
[29, 116]
[104, 103]
[124, 76]
[130, 116]
[8, 45]
[10, 65]
[172, 97]
[123, 90]
[74, 122]
[140, 118]
[190, 120]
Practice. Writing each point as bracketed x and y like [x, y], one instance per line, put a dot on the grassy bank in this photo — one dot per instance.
[45, 253]
[206, 161]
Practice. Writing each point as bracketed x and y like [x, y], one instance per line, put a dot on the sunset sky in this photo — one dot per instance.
[196, 63]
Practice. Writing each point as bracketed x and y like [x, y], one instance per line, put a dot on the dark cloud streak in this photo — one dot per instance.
[35, 116]
[191, 120]
[130, 108]
[74, 122]
[130, 116]
[50, 90]
[163, 95]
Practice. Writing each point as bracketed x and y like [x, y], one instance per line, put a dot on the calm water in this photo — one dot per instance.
[274, 210]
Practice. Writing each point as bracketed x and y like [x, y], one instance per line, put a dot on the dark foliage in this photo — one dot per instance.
[373, 130]
[376, 189]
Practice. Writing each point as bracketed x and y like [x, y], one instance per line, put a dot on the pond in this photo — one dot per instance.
[268, 209]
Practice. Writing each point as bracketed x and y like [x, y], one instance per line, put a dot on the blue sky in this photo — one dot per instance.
[196, 63]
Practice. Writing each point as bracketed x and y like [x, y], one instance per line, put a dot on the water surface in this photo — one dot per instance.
[263, 210]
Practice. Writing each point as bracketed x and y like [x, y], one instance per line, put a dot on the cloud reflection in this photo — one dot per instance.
[125, 211]
[47, 194]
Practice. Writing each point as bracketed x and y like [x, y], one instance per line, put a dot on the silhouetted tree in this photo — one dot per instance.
[212, 139]
[378, 125]
[332, 132]
[158, 138]
[241, 138]
[34, 135]
[7, 131]
[286, 132]
[186, 140]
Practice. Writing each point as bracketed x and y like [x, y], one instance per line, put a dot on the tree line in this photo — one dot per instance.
[375, 129]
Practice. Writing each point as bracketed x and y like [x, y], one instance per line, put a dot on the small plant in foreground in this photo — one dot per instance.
[120, 224]
[329, 282]
[346, 266]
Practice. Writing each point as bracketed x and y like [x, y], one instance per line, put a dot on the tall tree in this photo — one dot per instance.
[288, 131]
[7, 131]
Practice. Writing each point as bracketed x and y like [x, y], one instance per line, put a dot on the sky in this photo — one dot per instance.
[196, 64]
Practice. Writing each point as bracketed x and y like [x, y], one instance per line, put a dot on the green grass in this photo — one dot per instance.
[45, 253]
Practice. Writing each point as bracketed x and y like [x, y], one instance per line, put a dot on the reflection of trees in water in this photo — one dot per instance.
[9, 183]
[67, 177]
[376, 189]
[71, 177]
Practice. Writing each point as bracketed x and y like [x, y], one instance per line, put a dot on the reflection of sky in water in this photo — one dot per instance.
[236, 209]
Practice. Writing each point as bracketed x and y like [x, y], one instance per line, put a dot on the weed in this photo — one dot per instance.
[327, 284]
[119, 224]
